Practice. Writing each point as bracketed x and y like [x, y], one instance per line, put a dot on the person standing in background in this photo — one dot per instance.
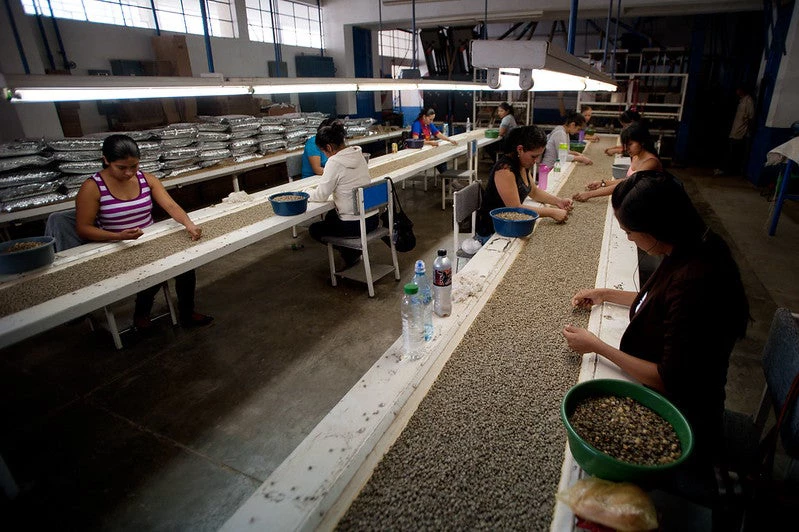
[507, 123]
[560, 135]
[740, 132]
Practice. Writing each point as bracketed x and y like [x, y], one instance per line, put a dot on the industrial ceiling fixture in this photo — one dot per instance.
[40, 88]
[536, 66]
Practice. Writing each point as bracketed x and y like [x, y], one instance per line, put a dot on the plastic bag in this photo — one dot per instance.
[622, 506]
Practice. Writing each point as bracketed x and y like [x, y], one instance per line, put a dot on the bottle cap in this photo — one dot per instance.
[564, 146]
[442, 252]
[411, 288]
[419, 267]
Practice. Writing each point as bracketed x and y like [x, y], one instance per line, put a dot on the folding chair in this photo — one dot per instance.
[465, 203]
[451, 175]
[369, 200]
[61, 226]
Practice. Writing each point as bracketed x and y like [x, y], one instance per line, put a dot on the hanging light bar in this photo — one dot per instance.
[36, 88]
[537, 66]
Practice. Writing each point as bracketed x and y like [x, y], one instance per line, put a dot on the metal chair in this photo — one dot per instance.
[451, 175]
[369, 200]
[465, 203]
[61, 226]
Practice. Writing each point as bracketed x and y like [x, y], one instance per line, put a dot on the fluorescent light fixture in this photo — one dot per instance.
[401, 85]
[37, 88]
[318, 85]
[538, 66]
[66, 94]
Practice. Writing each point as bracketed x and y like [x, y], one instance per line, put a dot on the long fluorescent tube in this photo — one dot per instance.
[68, 94]
[38, 88]
[296, 88]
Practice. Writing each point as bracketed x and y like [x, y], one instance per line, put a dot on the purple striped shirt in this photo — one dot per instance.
[117, 215]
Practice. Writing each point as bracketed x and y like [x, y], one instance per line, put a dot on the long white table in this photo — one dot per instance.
[41, 317]
[232, 170]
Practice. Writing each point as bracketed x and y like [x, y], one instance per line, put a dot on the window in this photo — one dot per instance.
[181, 16]
[396, 43]
[298, 24]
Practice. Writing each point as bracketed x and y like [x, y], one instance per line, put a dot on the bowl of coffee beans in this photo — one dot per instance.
[25, 254]
[289, 203]
[622, 431]
[513, 221]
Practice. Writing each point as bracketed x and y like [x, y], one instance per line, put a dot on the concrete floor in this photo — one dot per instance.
[179, 428]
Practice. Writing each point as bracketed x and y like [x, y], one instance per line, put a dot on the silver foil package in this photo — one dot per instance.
[13, 163]
[76, 144]
[21, 148]
[36, 201]
[81, 167]
[27, 176]
[77, 156]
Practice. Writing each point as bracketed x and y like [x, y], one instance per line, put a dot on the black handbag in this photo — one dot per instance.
[402, 233]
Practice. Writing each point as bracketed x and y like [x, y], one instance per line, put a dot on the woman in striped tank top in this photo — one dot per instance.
[116, 204]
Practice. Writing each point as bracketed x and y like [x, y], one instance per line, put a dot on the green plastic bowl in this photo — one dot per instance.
[492, 133]
[601, 465]
[577, 146]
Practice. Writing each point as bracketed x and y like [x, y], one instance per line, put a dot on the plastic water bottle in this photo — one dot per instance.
[442, 284]
[543, 175]
[446, 130]
[412, 326]
[421, 280]
[563, 151]
[556, 168]
[468, 125]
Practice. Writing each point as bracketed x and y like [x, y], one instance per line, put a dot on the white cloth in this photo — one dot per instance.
[788, 150]
[744, 114]
[343, 173]
[557, 137]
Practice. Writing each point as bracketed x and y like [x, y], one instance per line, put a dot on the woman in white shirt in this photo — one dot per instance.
[345, 171]
[560, 135]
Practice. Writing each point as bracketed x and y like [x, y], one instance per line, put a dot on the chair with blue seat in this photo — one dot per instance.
[369, 200]
[61, 226]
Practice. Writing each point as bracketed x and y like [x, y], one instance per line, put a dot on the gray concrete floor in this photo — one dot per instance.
[179, 428]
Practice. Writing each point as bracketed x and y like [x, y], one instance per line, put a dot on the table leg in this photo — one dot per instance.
[780, 197]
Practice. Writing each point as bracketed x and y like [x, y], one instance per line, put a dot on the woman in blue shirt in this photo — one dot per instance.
[313, 159]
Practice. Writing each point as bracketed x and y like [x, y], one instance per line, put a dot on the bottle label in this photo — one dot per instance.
[443, 277]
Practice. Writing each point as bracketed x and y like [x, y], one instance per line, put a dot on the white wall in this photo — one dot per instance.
[784, 109]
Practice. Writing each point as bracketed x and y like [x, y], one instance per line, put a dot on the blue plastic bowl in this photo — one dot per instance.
[513, 228]
[26, 259]
[289, 208]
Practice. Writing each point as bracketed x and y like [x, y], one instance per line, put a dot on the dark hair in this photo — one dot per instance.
[586, 108]
[117, 147]
[577, 118]
[656, 203]
[325, 122]
[429, 112]
[629, 117]
[507, 107]
[334, 134]
[528, 137]
[639, 133]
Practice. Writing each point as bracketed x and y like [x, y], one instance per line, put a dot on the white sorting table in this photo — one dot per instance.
[44, 316]
[233, 170]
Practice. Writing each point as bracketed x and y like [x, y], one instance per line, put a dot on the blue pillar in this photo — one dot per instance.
[681, 149]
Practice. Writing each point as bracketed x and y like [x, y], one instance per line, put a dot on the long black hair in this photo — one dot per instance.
[423, 113]
[629, 117]
[507, 107]
[117, 147]
[639, 133]
[577, 118]
[334, 134]
[656, 203]
[528, 137]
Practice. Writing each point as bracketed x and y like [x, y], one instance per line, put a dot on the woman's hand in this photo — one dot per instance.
[587, 297]
[612, 151]
[593, 185]
[195, 231]
[566, 204]
[580, 340]
[560, 215]
[454, 142]
[583, 159]
[582, 197]
[130, 234]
